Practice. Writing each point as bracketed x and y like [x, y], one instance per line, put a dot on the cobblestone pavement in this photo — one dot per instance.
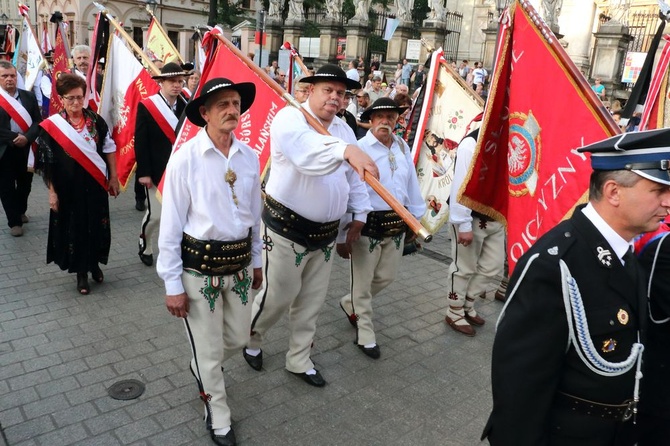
[60, 351]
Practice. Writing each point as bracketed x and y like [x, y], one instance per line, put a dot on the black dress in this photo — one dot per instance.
[79, 233]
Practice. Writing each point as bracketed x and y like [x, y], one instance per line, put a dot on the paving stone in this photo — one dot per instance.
[29, 429]
[138, 430]
[65, 436]
[29, 379]
[74, 414]
[109, 421]
[45, 406]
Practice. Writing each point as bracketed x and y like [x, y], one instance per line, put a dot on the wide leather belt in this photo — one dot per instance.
[298, 229]
[618, 412]
[215, 258]
[382, 224]
[481, 216]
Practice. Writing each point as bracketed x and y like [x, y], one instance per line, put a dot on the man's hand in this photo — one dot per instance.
[177, 304]
[465, 238]
[20, 141]
[341, 249]
[360, 161]
[258, 279]
[146, 181]
[353, 229]
[113, 186]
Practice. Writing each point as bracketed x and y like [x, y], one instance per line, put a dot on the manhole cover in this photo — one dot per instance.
[128, 389]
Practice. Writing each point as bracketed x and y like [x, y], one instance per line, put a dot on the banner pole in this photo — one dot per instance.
[414, 224]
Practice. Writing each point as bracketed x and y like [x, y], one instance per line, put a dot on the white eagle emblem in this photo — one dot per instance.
[120, 111]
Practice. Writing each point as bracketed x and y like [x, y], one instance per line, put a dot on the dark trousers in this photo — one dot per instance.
[15, 184]
[653, 430]
[140, 191]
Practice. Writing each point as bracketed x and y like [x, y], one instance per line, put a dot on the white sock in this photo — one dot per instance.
[374, 344]
[310, 372]
[222, 431]
[253, 352]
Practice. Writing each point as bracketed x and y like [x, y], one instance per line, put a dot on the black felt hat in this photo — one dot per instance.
[331, 73]
[247, 91]
[382, 104]
[169, 70]
[646, 153]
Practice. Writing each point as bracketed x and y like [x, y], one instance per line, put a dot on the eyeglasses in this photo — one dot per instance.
[74, 98]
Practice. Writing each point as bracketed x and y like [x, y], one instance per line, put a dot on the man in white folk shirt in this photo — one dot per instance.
[309, 190]
[209, 235]
[375, 257]
[477, 247]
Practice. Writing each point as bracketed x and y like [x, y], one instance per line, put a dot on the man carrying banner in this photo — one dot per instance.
[209, 235]
[19, 125]
[375, 257]
[477, 247]
[157, 118]
[310, 189]
[567, 353]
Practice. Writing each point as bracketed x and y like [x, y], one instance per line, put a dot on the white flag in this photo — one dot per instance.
[29, 60]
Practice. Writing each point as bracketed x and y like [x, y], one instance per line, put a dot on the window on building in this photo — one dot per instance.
[174, 38]
[138, 36]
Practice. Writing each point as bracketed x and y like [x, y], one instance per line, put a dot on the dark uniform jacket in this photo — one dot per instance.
[532, 360]
[29, 102]
[152, 147]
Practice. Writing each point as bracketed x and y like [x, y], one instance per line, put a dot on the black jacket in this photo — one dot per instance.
[29, 102]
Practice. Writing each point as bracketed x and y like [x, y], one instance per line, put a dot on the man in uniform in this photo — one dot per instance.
[567, 351]
[375, 257]
[19, 126]
[157, 118]
[477, 247]
[310, 189]
[209, 235]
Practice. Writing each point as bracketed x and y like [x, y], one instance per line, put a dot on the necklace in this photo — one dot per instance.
[79, 124]
[230, 178]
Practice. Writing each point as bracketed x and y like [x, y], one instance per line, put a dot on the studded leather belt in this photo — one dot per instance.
[618, 412]
[298, 229]
[215, 258]
[382, 224]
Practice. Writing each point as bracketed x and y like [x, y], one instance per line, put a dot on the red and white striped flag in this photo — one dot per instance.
[125, 84]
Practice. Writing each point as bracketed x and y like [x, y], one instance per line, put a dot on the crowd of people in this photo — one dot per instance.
[567, 358]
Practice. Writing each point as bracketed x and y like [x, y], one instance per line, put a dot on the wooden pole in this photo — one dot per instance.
[129, 40]
[414, 224]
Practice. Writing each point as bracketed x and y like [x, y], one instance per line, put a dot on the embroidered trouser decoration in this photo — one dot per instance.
[242, 283]
[327, 251]
[398, 240]
[374, 242]
[212, 288]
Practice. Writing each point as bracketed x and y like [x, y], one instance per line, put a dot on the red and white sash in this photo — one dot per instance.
[186, 93]
[16, 111]
[163, 115]
[77, 147]
[20, 115]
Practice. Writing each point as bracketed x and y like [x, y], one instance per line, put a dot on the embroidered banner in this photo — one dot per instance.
[654, 107]
[125, 84]
[159, 45]
[449, 106]
[526, 170]
[29, 59]
[61, 57]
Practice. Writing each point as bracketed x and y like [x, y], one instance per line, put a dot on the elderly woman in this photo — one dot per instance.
[77, 158]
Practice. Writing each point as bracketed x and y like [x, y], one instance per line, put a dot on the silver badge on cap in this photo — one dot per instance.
[605, 256]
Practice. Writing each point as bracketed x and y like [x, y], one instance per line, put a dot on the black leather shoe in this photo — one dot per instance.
[82, 283]
[313, 380]
[147, 259]
[372, 352]
[255, 362]
[140, 206]
[224, 440]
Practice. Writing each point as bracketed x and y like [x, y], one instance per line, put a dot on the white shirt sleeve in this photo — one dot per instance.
[460, 215]
[416, 205]
[311, 153]
[359, 200]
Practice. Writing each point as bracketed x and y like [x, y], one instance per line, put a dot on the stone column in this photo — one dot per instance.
[357, 38]
[293, 31]
[609, 53]
[576, 23]
[490, 39]
[330, 31]
[397, 46]
[434, 32]
[274, 37]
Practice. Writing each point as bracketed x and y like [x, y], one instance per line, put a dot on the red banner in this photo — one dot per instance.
[254, 125]
[654, 108]
[125, 84]
[61, 56]
[526, 171]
